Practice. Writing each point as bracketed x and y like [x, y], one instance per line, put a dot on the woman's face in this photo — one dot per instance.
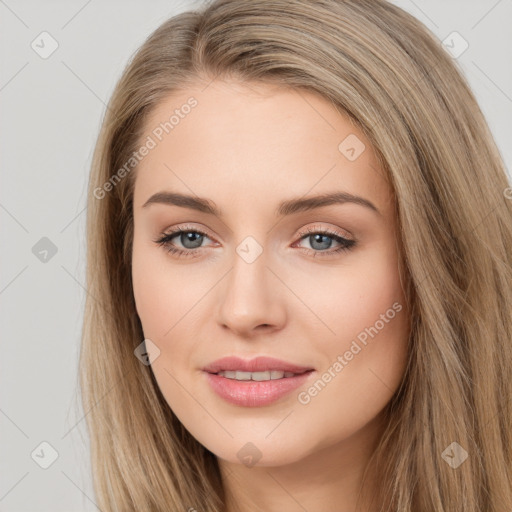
[271, 272]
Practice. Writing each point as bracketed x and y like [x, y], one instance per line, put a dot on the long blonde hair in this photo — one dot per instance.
[384, 69]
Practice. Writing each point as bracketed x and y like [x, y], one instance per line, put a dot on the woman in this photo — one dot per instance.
[299, 270]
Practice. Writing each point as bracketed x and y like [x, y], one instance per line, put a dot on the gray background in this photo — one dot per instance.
[51, 113]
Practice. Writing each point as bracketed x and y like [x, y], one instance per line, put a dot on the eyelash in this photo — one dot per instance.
[165, 242]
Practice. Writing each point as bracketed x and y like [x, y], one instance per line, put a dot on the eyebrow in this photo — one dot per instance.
[288, 207]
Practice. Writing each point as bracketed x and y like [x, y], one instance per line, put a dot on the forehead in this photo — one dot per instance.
[252, 144]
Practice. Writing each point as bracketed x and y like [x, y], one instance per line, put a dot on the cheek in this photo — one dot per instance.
[365, 358]
[162, 297]
[352, 297]
[168, 302]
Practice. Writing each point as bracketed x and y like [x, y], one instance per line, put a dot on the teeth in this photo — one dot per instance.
[257, 376]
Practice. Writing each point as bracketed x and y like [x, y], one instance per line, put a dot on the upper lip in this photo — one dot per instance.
[258, 364]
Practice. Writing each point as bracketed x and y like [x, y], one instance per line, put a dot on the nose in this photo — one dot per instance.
[251, 298]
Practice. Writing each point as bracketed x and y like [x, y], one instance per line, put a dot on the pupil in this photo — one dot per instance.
[194, 238]
[318, 237]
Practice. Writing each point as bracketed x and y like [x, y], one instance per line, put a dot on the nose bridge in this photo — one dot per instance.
[249, 297]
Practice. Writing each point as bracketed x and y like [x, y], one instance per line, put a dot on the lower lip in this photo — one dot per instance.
[250, 393]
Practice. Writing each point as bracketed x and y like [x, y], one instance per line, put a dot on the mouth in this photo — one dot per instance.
[258, 376]
[257, 382]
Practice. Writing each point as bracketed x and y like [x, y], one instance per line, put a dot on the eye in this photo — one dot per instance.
[191, 240]
[321, 239]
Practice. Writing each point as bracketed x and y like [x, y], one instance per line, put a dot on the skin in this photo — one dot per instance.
[247, 147]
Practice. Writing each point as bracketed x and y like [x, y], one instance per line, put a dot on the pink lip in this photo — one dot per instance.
[254, 393]
[251, 393]
[258, 364]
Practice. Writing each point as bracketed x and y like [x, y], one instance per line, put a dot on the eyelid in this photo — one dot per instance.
[315, 228]
[343, 233]
[188, 227]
